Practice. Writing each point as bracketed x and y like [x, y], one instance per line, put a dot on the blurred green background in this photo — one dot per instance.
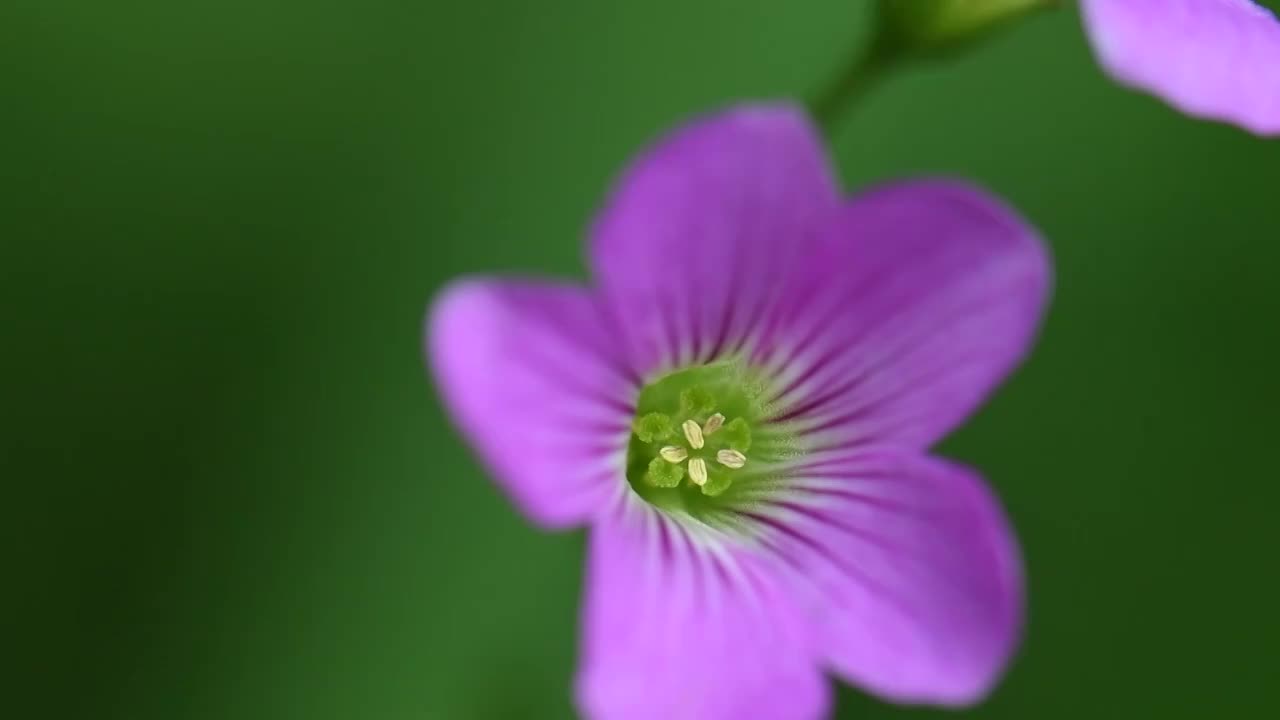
[230, 491]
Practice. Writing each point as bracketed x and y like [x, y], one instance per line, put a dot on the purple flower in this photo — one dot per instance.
[740, 407]
[1216, 59]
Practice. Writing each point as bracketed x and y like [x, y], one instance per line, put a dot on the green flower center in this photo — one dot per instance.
[699, 437]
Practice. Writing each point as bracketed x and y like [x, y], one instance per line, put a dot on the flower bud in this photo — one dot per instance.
[923, 27]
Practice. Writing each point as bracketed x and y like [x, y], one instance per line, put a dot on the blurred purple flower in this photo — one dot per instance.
[1215, 59]
[741, 407]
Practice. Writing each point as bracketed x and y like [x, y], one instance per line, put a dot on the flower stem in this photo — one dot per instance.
[863, 72]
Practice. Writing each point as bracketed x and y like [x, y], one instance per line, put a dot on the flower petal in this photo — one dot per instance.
[704, 228]
[680, 625]
[1216, 59]
[913, 572]
[926, 294]
[531, 377]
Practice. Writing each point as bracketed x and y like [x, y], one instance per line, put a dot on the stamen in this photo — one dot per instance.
[691, 439]
[698, 471]
[694, 434]
[731, 458]
[673, 454]
[713, 424]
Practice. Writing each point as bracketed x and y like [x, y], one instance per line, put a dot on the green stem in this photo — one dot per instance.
[863, 72]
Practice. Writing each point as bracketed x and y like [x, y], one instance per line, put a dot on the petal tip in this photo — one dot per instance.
[1023, 238]
[1216, 60]
[934, 616]
[480, 336]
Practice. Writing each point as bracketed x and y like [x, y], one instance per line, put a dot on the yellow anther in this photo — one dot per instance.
[713, 424]
[698, 471]
[673, 454]
[694, 434]
[731, 458]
